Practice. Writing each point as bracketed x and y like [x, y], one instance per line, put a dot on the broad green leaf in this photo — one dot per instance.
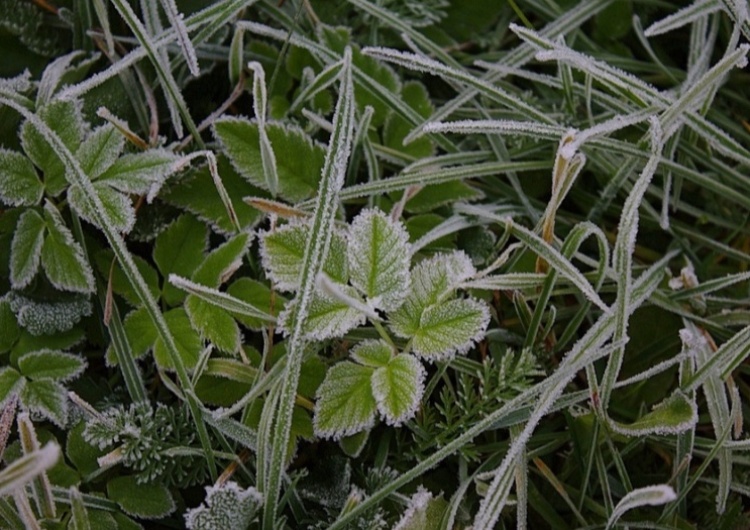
[9, 330]
[99, 150]
[145, 501]
[226, 506]
[48, 398]
[424, 511]
[432, 197]
[398, 388]
[327, 317]
[432, 281]
[81, 453]
[397, 128]
[140, 331]
[26, 249]
[674, 415]
[10, 382]
[61, 340]
[353, 445]
[140, 173]
[345, 403]
[120, 283]
[51, 364]
[62, 257]
[214, 324]
[375, 353]
[187, 340]
[179, 250]
[450, 327]
[222, 262]
[379, 257]
[283, 249]
[118, 206]
[65, 118]
[298, 175]
[258, 295]
[26, 468]
[197, 194]
[19, 183]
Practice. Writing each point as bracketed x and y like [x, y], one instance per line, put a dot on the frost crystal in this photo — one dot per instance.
[226, 506]
[48, 318]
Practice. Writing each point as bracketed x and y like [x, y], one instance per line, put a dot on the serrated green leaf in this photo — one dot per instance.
[51, 364]
[48, 398]
[214, 324]
[674, 415]
[345, 403]
[19, 183]
[283, 249]
[379, 257]
[118, 206]
[120, 283]
[61, 340]
[222, 262]
[226, 506]
[140, 331]
[450, 327]
[140, 173]
[145, 501]
[327, 317]
[398, 388]
[298, 175]
[99, 150]
[258, 295]
[375, 353]
[197, 194]
[10, 382]
[179, 250]
[26, 249]
[9, 330]
[187, 340]
[62, 257]
[424, 511]
[432, 281]
[65, 118]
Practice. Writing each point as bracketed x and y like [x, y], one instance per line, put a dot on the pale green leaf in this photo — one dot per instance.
[259, 296]
[379, 257]
[398, 388]
[179, 250]
[327, 317]
[375, 353]
[145, 501]
[223, 261]
[345, 403]
[25, 469]
[675, 414]
[432, 281]
[48, 398]
[226, 506]
[140, 331]
[51, 364]
[424, 511]
[298, 175]
[19, 183]
[62, 257]
[282, 251]
[140, 173]
[118, 206]
[214, 324]
[26, 249]
[450, 327]
[186, 339]
[647, 496]
[100, 149]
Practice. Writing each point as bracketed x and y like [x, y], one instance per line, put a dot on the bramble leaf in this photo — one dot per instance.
[327, 317]
[214, 324]
[26, 249]
[140, 173]
[398, 388]
[118, 206]
[48, 398]
[99, 150]
[375, 353]
[11, 382]
[145, 501]
[226, 506]
[186, 339]
[223, 261]
[179, 250]
[423, 511]
[62, 257]
[345, 403]
[450, 327]
[19, 183]
[51, 364]
[378, 258]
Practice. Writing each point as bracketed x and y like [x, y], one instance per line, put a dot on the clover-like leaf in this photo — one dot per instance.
[379, 258]
[99, 150]
[345, 403]
[226, 506]
[19, 183]
[398, 388]
[62, 257]
[450, 327]
[327, 317]
[432, 281]
[26, 248]
[283, 249]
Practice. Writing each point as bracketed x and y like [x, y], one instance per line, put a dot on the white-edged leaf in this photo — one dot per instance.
[226, 506]
[432, 281]
[180, 250]
[327, 317]
[260, 104]
[282, 251]
[674, 415]
[223, 261]
[19, 182]
[118, 206]
[100, 150]
[398, 388]
[423, 511]
[373, 352]
[186, 339]
[26, 248]
[48, 398]
[647, 496]
[686, 15]
[378, 256]
[51, 364]
[145, 501]
[25, 469]
[345, 404]
[11, 382]
[450, 327]
[214, 324]
[141, 173]
[63, 259]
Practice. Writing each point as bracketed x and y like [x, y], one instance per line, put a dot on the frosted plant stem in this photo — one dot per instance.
[316, 249]
[101, 219]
